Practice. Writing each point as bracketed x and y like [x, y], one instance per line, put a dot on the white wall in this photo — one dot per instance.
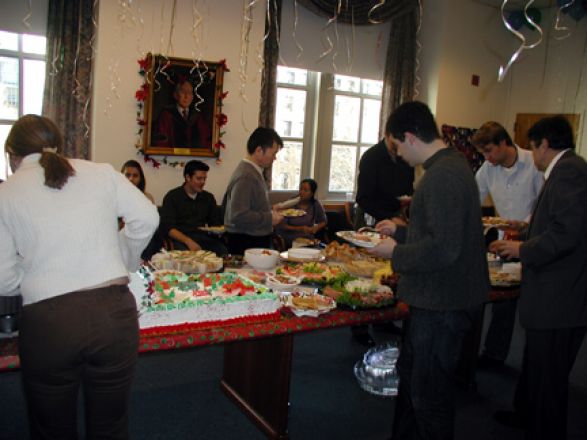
[124, 37]
[458, 39]
[469, 38]
[552, 78]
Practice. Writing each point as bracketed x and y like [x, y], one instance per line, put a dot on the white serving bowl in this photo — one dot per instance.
[303, 253]
[261, 258]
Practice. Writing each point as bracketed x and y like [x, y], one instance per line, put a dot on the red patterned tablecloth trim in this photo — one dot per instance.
[182, 328]
[281, 323]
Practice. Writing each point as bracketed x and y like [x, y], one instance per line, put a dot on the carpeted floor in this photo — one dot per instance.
[176, 395]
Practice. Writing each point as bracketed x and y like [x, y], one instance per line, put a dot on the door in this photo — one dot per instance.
[526, 120]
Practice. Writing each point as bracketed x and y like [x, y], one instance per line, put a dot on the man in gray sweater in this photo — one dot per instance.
[248, 217]
[441, 260]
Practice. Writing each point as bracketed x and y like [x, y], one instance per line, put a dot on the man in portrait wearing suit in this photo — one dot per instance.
[179, 125]
[553, 299]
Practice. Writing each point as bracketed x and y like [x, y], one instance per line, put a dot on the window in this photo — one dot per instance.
[324, 137]
[22, 79]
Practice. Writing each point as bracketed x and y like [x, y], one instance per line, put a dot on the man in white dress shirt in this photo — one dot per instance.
[510, 177]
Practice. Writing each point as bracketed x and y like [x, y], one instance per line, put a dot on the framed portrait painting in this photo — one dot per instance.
[181, 107]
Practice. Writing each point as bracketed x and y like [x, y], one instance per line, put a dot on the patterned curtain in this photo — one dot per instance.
[70, 30]
[269, 74]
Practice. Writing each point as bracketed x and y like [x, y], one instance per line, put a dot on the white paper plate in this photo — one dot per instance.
[356, 238]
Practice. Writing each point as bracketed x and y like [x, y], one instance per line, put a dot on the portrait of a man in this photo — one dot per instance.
[181, 108]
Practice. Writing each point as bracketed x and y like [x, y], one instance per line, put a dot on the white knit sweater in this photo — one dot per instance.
[58, 241]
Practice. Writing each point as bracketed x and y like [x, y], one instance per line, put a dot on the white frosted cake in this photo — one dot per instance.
[167, 298]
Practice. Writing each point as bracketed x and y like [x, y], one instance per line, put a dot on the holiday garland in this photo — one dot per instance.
[141, 95]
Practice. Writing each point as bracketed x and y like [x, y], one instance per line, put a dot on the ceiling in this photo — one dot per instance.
[517, 4]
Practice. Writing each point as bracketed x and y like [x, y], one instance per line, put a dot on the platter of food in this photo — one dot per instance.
[281, 282]
[365, 268]
[303, 242]
[305, 303]
[361, 294]
[315, 273]
[361, 239]
[187, 261]
[302, 255]
[504, 279]
[292, 212]
[213, 229]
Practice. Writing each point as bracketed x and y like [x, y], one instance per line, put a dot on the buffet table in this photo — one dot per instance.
[257, 356]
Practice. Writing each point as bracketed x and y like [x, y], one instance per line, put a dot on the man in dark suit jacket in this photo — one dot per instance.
[553, 300]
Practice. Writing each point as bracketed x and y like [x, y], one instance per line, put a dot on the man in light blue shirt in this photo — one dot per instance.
[510, 177]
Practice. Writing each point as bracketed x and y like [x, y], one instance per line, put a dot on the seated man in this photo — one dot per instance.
[187, 208]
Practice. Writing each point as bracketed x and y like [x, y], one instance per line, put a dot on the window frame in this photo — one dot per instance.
[21, 56]
[318, 140]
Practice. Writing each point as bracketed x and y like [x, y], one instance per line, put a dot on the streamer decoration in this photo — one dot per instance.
[295, 27]
[557, 23]
[373, 9]
[504, 70]
[26, 20]
[417, 79]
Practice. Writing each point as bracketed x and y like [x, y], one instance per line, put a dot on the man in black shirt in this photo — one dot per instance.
[187, 208]
[383, 177]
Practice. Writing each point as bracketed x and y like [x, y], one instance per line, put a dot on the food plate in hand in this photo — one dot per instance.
[292, 212]
[362, 239]
[494, 222]
[303, 303]
[213, 229]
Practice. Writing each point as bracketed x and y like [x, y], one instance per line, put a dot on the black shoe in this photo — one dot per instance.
[511, 419]
[364, 339]
[485, 361]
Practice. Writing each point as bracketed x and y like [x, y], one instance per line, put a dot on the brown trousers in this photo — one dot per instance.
[89, 339]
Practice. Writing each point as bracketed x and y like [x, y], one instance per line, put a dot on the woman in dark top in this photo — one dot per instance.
[311, 223]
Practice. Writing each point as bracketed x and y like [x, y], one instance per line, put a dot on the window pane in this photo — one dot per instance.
[370, 126]
[290, 112]
[371, 87]
[347, 83]
[4, 130]
[285, 174]
[346, 118]
[8, 88]
[34, 82]
[8, 40]
[34, 44]
[289, 75]
[342, 168]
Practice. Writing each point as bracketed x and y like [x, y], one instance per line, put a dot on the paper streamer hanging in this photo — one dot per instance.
[329, 46]
[26, 20]
[557, 26]
[417, 80]
[295, 28]
[504, 70]
[373, 9]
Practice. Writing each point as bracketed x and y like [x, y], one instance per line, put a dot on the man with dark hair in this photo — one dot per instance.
[248, 216]
[553, 299]
[187, 208]
[510, 177]
[444, 279]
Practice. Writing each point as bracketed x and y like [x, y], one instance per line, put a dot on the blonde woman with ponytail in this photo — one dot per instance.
[62, 249]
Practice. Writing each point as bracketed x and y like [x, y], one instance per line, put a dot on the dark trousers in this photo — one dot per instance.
[430, 350]
[239, 243]
[86, 339]
[543, 388]
[501, 329]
